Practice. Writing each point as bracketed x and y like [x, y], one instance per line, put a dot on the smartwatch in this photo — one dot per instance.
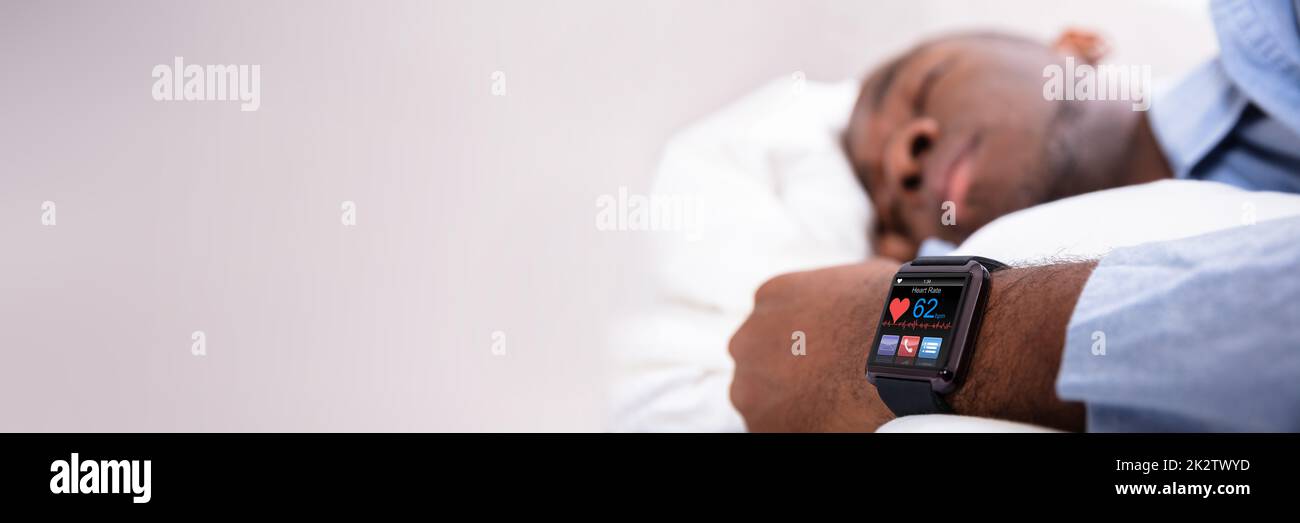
[927, 330]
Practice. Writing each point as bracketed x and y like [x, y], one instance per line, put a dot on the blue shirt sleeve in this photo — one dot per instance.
[1198, 334]
[1236, 120]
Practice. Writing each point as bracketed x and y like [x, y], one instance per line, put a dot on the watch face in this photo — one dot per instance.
[920, 317]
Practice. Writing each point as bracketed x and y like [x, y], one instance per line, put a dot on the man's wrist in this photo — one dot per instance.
[1018, 349]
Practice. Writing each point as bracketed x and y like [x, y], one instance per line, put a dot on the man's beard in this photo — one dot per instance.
[1060, 163]
[1054, 168]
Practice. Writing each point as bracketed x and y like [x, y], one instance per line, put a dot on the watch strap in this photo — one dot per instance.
[988, 263]
[907, 397]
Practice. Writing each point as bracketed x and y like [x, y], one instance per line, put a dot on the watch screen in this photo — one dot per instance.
[919, 320]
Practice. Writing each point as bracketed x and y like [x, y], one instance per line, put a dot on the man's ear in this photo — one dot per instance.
[1082, 44]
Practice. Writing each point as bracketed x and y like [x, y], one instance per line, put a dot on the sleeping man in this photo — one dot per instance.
[963, 120]
[960, 125]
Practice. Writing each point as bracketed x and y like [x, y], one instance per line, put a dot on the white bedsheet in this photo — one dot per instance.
[780, 197]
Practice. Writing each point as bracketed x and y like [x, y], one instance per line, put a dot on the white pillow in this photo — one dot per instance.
[1091, 225]
[951, 423]
[775, 194]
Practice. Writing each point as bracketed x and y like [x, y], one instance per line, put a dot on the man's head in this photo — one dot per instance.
[963, 119]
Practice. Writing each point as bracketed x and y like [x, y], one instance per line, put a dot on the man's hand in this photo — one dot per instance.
[1011, 376]
[826, 389]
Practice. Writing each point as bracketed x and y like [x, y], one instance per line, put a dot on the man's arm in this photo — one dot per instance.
[1195, 334]
[1012, 375]
[1018, 350]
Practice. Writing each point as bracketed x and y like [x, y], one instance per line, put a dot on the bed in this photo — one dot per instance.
[781, 197]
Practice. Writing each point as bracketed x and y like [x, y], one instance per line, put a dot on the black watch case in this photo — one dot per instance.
[970, 313]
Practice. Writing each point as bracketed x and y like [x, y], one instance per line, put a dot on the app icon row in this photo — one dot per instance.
[909, 346]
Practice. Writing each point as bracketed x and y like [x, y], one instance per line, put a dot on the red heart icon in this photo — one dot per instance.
[898, 307]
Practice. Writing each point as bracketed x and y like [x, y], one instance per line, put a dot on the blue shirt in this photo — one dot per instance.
[1191, 335]
[1199, 334]
[1236, 119]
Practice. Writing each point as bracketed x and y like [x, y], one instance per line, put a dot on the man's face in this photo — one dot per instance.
[960, 120]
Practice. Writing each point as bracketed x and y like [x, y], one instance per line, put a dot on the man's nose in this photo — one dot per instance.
[906, 149]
